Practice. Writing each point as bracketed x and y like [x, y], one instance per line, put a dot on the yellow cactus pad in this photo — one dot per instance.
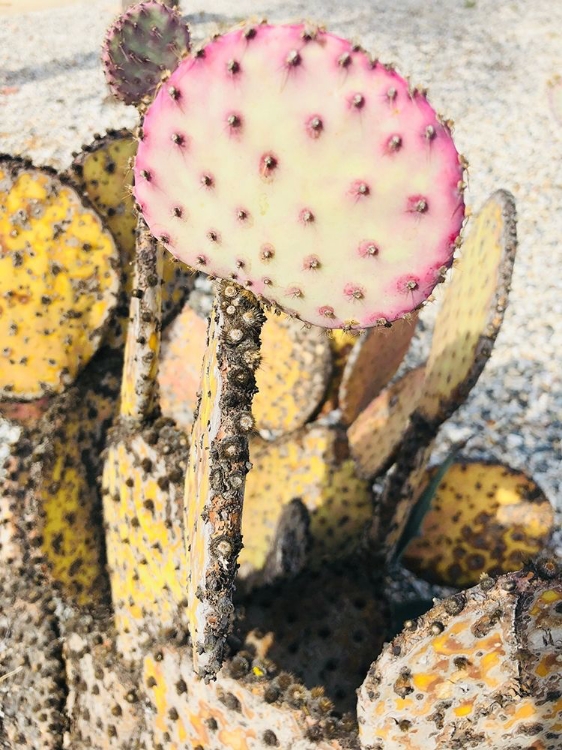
[372, 362]
[103, 171]
[312, 465]
[479, 670]
[63, 499]
[378, 431]
[179, 371]
[472, 310]
[58, 281]
[292, 378]
[324, 627]
[484, 518]
[218, 463]
[138, 392]
[142, 498]
[243, 712]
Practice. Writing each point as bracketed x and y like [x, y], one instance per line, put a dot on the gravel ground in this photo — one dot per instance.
[486, 64]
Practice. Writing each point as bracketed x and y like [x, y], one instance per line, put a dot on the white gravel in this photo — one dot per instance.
[486, 64]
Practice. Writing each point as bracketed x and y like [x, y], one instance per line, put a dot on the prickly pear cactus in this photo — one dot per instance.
[145, 43]
[143, 480]
[377, 433]
[58, 281]
[372, 362]
[352, 197]
[467, 324]
[32, 692]
[483, 518]
[312, 464]
[479, 670]
[103, 172]
[217, 468]
[292, 378]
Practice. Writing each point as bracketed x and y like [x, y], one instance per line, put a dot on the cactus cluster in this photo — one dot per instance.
[192, 549]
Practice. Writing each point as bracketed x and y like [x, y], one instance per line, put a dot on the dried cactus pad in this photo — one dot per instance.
[58, 281]
[481, 670]
[484, 518]
[144, 43]
[290, 161]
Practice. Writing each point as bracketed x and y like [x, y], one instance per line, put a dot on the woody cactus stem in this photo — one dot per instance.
[217, 468]
[138, 393]
[351, 200]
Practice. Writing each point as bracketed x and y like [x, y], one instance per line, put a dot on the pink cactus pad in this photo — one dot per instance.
[291, 162]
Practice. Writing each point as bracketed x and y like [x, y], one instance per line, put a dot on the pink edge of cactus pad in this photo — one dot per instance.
[292, 163]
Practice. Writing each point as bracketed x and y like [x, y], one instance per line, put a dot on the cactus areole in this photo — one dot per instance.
[289, 161]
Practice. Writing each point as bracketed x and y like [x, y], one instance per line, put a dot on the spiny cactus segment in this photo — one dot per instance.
[480, 670]
[103, 705]
[312, 464]
[144, 45]
[472, 311]
[377, 433]
[49, 502]
[323, 626]
[142, 499]
[467, 324]
[292, 377]
[32, 693]
[142, 349]
[483, 518]
[63, 508]
[351, 200]
[371, 364]
[103, 171]
[217, 468]
[58, 281]
[143, 476]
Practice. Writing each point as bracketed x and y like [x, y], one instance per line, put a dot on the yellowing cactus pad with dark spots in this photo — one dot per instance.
[142, 498]
[377, 433]
[103, 703]
[58, 281]
[32, 692]
[288, 160]
[314, 466]
[292, 377]
[472, 310]
[484, 518]
[63, 504]
[103, 170]
[217, 468]
[372, 362]
[480, 670]
[249, 708]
